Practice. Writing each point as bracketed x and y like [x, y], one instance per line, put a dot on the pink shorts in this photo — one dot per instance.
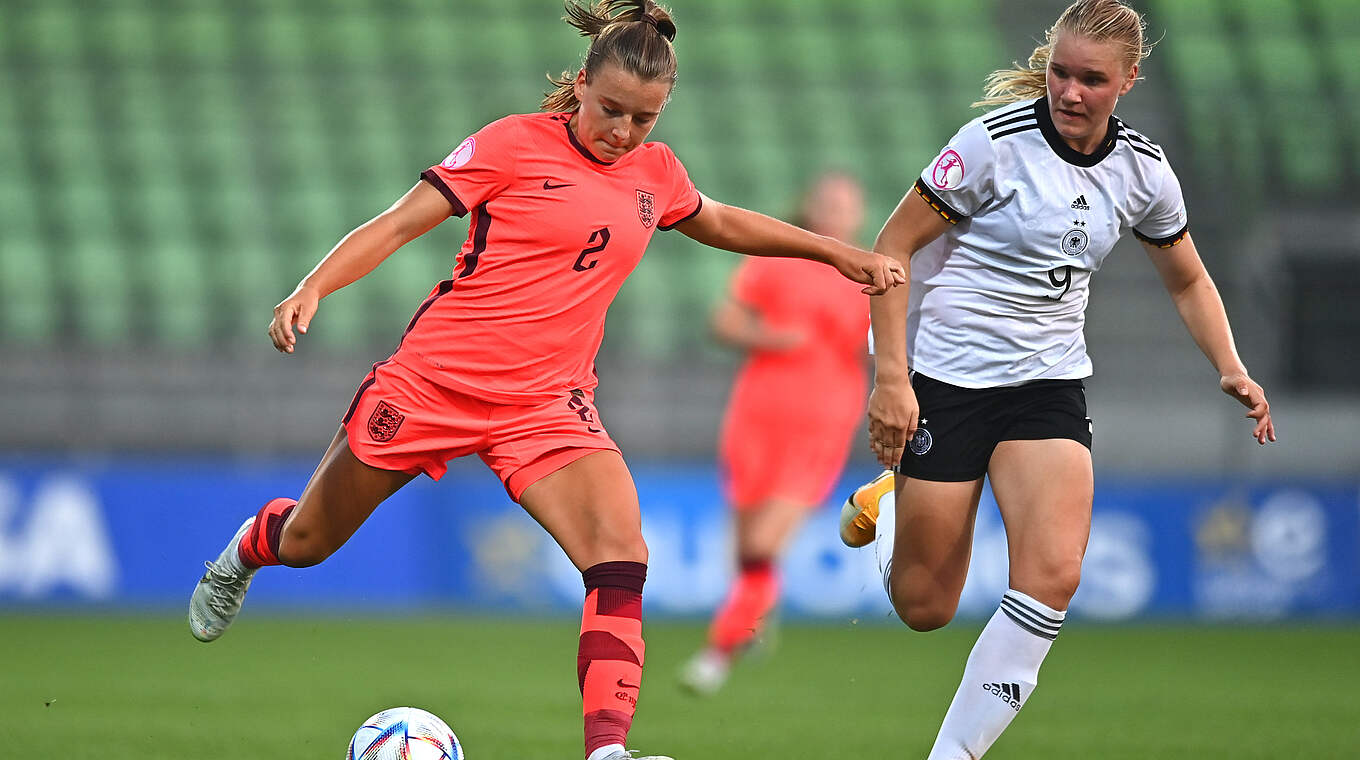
[764, 458]
[402, 421]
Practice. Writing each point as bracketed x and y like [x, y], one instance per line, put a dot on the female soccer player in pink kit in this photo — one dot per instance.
[795, 406]
[499, 359]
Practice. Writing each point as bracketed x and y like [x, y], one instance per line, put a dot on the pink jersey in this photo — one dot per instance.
[788, 428]
[554, 234]
[826, 372]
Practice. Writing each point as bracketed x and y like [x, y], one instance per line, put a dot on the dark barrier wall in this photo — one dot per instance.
[127, 533]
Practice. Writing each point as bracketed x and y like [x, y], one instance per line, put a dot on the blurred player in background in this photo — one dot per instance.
[795, 405]
[1002, 233]
[499, 359]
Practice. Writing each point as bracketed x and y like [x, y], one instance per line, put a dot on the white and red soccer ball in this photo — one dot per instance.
[404, 733]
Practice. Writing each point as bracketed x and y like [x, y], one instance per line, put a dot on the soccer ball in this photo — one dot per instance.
[404, 733]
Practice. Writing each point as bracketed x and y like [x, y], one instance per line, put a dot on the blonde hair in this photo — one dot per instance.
[1100, 20]
[636, 35]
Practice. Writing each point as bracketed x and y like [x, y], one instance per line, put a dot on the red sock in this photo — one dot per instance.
[260, 545]
[609, 660]
[753, 595]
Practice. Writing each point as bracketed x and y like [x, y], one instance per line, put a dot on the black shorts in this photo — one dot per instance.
[960, 427]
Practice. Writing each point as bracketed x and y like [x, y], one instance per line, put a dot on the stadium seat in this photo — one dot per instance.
[100, 288]
[1338, 18]
[49, 33]
[1267, 19]
[193, 35]
[1291, 83]
[28, 309]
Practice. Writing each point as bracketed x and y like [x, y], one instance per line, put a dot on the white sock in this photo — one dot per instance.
[605, 751]
[886, 533]
[1001, 673]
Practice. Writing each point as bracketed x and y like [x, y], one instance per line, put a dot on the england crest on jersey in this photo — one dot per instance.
[646, 208]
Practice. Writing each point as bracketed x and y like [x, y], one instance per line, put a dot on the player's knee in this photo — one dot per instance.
[1066, 582]
[923, 613]
[1055, 584]
[924, 619]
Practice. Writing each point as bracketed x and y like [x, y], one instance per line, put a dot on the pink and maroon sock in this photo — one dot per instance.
[260, 545]
[609, 660]
[753, 595]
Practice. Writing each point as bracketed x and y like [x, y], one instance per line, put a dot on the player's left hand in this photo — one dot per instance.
[875, 271]
[1253, 397]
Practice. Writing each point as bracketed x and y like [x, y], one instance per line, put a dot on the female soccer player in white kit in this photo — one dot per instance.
[1002, 233]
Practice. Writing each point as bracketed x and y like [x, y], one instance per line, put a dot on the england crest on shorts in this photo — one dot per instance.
[646, 208]
[384, 422]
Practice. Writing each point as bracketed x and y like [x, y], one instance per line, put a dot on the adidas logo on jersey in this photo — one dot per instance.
[1080, 203]
[1009, 693]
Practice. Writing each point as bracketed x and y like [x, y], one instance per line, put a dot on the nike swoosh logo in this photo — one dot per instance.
[623, 685]
[547, 185]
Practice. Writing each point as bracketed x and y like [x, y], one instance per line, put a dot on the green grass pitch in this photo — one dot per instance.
[120, 687]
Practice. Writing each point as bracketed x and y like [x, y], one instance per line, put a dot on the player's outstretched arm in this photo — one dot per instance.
[736, 229]
[357, 254]
[1201, 309]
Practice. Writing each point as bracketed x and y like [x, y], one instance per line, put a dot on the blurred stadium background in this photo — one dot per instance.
[170, 168]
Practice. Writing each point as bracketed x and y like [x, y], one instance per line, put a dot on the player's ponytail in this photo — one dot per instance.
[635, 35]
[1101, 20]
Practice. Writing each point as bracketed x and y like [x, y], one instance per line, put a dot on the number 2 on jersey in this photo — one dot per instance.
[602, 235]
[1064, 282]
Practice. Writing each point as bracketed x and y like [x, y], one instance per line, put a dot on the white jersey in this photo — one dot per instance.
[1000, 298]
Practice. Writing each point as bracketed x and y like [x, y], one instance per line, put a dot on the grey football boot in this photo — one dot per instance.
[218, 596]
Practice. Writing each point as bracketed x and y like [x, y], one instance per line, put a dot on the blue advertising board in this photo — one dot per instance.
[127, 533]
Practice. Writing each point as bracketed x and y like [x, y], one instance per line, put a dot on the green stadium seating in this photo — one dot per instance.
[170, 270]
[28, 305]
[177, 165]
[1338, 18]
[1264, 86]
[47, 33]
[1267, 18]
[1291, 84]
[127, 36]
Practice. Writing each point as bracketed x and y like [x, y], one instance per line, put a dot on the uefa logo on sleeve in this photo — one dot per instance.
[460, 155]
[948, 171]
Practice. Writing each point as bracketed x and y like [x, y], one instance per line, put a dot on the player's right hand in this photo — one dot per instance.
[291, 317]
[893, 416]
[878, 273]
[1246, 391]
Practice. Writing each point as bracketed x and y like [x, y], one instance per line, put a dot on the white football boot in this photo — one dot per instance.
[218, 596]
[633, 755]
[706, 672]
